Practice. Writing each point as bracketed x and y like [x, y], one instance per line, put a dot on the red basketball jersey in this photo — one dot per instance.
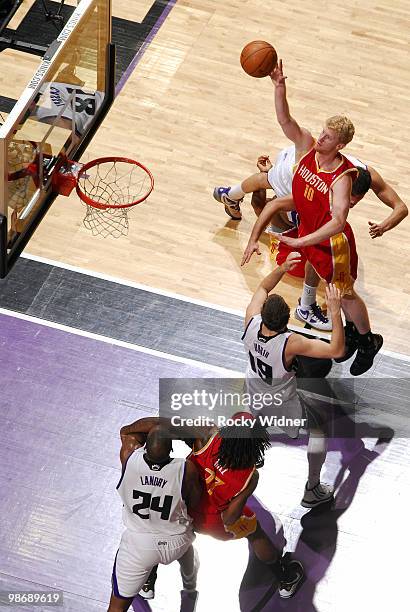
[312, 190]
[222, 484]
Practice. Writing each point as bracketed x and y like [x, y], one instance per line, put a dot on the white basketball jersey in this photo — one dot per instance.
[55, 97]
[152, 497]
[356, 162]
[266, 358]
[281, 174]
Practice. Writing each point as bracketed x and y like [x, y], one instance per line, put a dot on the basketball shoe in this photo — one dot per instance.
[232, 207]
[292, 577]
[147, 590]
[351, 342]
[314, 316]
[366, 354]
[319, 494]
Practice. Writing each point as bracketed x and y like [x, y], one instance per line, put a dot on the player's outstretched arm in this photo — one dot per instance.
[285, 203]
[268, 284]
[237, 504]
[302, 138]
[299, 345]
[390, 197]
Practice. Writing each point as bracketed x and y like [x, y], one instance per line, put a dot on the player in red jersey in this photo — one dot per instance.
[227, 460]
[321, 193]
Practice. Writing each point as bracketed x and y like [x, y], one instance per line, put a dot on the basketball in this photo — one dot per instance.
[258, 58]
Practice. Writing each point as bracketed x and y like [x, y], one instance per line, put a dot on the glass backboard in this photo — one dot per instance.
[61, 105]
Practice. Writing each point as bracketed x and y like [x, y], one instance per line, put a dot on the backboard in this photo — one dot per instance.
[55, 117]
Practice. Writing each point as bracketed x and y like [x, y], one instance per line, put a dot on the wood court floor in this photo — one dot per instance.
[197, 120]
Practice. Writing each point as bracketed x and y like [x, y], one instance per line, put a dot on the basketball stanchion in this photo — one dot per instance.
[109, 187]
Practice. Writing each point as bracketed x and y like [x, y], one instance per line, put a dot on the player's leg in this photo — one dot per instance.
[136, 556]
[189, 566]
[317, 415]
[147, 590]
[258, 201]
[290, 573]
[119, 604]
[232, 197]
[359, 335]
[308, 310]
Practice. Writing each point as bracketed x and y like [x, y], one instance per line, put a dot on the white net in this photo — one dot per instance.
[110, 222]
[114, 186]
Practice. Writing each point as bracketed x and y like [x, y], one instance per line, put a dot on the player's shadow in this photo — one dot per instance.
[316, 545]
[315, 548]
[229, 238]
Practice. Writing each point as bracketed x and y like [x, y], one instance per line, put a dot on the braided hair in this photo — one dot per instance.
[242, 447]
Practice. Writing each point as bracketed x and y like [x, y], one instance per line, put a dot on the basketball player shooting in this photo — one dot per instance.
[321, 192]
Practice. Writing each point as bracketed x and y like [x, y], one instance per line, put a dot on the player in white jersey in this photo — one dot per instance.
[156, 491]
[272, 351]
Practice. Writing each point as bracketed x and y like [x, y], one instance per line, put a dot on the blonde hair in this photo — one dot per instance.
[342, 126]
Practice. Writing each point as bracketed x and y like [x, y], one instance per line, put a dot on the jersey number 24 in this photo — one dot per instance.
[151, 503]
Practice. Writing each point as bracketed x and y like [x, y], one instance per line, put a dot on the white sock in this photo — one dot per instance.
[235, 192]
[308, 295]
[316, 452]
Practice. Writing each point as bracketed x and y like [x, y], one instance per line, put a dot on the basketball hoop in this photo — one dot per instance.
[109, 187]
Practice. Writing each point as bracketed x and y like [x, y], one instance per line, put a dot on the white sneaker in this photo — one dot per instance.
[320, 494]
[314, 316]
[147, 590]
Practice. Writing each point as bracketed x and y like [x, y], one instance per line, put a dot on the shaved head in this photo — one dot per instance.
[159, 444]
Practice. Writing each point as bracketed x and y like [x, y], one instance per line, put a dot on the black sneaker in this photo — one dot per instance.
[351, 346]
[292, 577]
[365, 356]
[148, 589]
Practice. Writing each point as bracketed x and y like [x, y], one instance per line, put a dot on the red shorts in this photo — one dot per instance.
[279, 252]
[335, 259]
[212, 524]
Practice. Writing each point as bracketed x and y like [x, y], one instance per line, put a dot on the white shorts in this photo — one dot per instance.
[137, 555]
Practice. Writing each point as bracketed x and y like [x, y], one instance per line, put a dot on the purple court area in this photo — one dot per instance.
[64, 398]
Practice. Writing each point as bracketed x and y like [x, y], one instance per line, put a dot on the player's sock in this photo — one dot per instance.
[308, 295]
[316, 452]
[236, 192]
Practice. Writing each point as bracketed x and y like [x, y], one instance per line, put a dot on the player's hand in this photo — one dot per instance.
[277, 74]
[291, 261]
[333, 299]
[294, 243]
[253, 247]
[264, 164]
[375, 229]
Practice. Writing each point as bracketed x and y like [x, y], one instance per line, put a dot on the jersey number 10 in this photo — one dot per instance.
[151, 503]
